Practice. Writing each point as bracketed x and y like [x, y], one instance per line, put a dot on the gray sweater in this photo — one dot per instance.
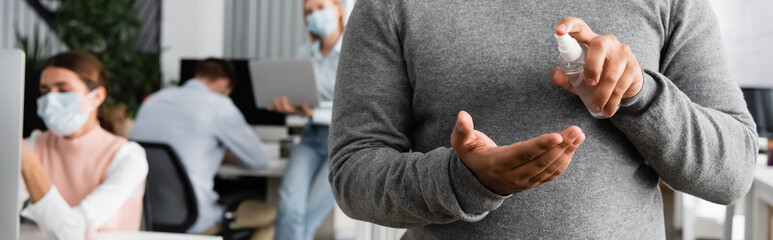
[408, 67]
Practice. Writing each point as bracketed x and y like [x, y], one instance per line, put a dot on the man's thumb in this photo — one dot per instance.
[463, 130]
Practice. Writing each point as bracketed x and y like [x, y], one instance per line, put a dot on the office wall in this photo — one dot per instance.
[265, 29]
[17, 14]
[748, 37]
[243, 29]
[190, 29]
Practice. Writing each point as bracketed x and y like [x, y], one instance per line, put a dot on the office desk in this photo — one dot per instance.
[32, 232]
[275, 169]
[758, 203]
[273, 173]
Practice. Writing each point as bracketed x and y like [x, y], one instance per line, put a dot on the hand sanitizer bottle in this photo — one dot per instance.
[573, 62]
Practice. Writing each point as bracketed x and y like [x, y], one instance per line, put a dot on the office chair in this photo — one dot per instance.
[168, 191]
[169, 204]
[146, 210]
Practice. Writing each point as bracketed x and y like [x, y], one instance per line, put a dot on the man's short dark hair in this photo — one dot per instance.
[214, 68]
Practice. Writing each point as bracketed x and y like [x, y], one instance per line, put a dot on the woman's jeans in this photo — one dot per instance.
[305, 197]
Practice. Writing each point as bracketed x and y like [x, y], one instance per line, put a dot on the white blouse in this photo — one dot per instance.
[54, 216]
[326, 67]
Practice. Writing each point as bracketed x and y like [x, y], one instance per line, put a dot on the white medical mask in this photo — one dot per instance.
[61, 112]
[322, 22]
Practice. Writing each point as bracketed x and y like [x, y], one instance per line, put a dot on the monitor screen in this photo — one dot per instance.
[31, 94]
[12, 67]
[760, 104]
[242, 94]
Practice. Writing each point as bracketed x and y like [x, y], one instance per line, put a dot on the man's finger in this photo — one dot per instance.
[610, 76]
[610, 108]
[577, 28]
[555, 170]
[539, 168]
[522, 152]
[600, 51]
[565, 139]
[573, 137]
[638, 78]
[559, 78]
[556, 167]
[463, 131]
[573, 132]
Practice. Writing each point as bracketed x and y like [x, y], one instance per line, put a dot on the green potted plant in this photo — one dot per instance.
[106, 28]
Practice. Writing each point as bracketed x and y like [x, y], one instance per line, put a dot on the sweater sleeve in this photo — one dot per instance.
[690, 121]
[374, 175]
[56, 218]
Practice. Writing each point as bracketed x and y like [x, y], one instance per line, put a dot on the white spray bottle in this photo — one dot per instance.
[573, 62]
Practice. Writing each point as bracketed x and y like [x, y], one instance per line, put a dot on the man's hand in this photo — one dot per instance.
[282, 105]
[516, 167]
[609, 64]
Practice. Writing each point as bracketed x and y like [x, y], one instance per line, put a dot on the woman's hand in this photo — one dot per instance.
[609, 64]
[27, 154]
[35, 179]
[282, 105]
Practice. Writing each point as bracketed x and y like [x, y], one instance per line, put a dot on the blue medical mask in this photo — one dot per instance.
[322, 22]
[61, 112]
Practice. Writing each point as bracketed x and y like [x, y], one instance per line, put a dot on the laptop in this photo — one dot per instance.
[11, 97]
[293, 78]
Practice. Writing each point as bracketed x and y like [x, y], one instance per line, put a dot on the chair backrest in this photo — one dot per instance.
[169, 191]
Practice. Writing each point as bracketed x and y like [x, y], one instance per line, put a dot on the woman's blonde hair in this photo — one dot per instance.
[341, 23]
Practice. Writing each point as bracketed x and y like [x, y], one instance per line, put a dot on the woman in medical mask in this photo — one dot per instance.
[79, 177]
[305, 197]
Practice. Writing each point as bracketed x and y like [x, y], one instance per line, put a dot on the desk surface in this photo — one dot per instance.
[758, 200]
[31, 232]
[275, 169]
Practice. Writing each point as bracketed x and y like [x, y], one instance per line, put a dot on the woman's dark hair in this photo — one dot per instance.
[91, 71]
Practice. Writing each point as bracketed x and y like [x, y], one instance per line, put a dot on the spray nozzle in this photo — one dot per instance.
[568, 47]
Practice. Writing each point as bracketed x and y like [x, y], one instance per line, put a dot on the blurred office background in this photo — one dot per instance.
[168, 31]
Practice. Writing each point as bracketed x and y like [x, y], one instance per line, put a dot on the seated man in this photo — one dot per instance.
[200, 122]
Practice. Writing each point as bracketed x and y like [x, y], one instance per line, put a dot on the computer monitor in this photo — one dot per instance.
[12, 67]
[31, 94]
[760, 104]
[242, 94]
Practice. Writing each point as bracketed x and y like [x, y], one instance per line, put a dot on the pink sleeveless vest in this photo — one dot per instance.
[78, 166]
